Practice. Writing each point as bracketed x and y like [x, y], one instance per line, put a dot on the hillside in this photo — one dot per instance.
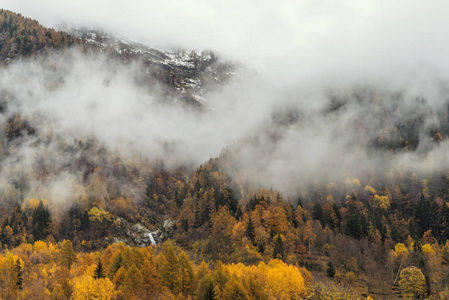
[105, 192]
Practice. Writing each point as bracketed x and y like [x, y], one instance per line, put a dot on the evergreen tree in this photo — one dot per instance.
[300, 202]
[423, 215]
[318, 214]
[250, 230]
[206, 289]
[115, 265]
[19, 274]
[279, 248]
[445, 222]
[330, 271]
[99, 271]
[41, 222]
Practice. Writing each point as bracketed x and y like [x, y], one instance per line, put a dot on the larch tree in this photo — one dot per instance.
[412, 282]
[170, 271]
[133, 282]
[187, 276]
[67, 255]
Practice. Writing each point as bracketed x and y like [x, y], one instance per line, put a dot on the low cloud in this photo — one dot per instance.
[333, 79]
[288, 43]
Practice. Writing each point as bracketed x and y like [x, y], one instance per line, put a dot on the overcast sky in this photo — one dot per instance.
[285, 41]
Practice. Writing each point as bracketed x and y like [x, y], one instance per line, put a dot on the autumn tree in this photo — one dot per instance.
[86, 287]
[67, 255]
[170, 270]
[412, 282]
[186, 274]
[234, 290]
[150, 276]
[132, 283]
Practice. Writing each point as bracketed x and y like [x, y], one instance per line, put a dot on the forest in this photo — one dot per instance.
[368, 230]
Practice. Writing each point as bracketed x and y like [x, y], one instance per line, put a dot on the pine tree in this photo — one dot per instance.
[330, 269]
[41, 222]
[99, 271]
[206, 289]
[279, 248]
[423, 215]
[19, 274]
[250, 230]
[115, 265]
[318, 214]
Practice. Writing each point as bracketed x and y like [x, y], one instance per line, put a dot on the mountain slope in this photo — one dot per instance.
[190, 74]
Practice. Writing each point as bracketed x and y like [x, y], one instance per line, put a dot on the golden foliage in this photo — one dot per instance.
[412, 282]
[86, 287]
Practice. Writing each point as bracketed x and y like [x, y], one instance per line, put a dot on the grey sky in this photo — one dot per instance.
[286, 41]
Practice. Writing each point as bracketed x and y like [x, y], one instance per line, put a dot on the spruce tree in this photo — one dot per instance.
[206, 289]
[99, 271]
[19, 274]
[41, 222]
[279, 248]
[330, 269]
[250, 230]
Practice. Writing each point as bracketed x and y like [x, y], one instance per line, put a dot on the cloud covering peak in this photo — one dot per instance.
[286, 42]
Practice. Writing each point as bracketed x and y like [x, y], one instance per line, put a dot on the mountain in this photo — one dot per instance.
[133, 172]
[190, 74]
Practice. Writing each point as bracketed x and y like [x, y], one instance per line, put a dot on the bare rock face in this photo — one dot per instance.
[143, 237]
[190, 74]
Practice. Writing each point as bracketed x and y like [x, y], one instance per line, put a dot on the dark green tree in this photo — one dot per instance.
[115, 265]
[318, 214]
[19, 274]
[99, 271]
[41, 222]
[206, 289]
[279, 248]
[423, 215]
[250, 230]
[330, 271]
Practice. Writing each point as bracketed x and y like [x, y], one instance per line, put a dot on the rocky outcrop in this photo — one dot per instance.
[189, 73]
[143, 237]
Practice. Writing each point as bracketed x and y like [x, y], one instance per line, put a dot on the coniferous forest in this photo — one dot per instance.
[348, 199]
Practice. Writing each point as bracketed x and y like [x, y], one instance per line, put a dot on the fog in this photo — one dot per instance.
[286, 42]
[91, 96]
[273, 130]
[287, 139]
